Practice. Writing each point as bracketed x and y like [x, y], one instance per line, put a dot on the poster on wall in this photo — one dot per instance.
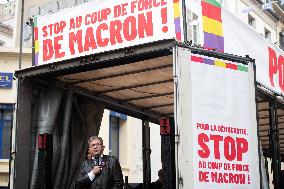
[216, 114]
[99, 26]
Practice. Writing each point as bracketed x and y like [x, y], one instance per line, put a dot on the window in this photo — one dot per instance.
[66, 3]
[267, 34]
[251, 21]
[195, 31]
[281, 40]
[50, 7]
[5, 132]
[114, 136]
[192, 27]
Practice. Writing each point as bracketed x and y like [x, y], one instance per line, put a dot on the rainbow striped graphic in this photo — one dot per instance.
[36, 41]
[219, 63]
[177, 19]
[212, 25]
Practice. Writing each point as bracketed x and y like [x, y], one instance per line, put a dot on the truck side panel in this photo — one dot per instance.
[23, 126]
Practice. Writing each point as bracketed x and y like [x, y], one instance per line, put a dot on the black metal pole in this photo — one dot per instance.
[266, 169]
[277, 148]
[277, 140]
[184, 21]
[33, 42]
[273, 132]
[257, 122]
[11, 141]
[126, 182]
[146, 151]
[21, 35]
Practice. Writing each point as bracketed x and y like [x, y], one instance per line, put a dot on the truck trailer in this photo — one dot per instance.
[219, 125]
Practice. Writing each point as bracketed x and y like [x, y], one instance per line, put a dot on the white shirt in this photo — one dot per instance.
[91, 174]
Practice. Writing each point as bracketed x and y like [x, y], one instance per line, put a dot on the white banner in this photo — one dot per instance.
[216, 115]
[243, 40]
[98, 26]
[225, 30]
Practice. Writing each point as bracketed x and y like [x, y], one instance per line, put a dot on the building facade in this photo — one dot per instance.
[7, 23]
[9, 62]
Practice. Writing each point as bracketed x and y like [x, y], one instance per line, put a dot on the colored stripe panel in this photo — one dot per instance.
[175, 1]
[36, 59]
[208, 61]
[177, 25]
[196, 59]
[212, 41]
[35, 22]
[211, 11]
[176, 10]
[178, 36]
[243, 68]
[212, 26]
[35, 34]
[220, 63]
[213, 2]
[36, 46]
[232, 66]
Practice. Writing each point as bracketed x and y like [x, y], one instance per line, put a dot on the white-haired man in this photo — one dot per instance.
[100, 171]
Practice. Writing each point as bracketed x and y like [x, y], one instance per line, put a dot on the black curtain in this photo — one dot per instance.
[70, 120]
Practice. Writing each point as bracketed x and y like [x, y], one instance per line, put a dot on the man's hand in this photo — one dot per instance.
[97, 169]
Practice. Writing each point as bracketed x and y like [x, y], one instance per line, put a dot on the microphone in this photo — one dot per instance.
[97, 160]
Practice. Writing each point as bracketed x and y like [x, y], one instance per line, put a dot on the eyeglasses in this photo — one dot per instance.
[95, 144]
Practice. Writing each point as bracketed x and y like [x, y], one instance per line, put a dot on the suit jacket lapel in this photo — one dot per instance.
[106, 161]
[91, 164]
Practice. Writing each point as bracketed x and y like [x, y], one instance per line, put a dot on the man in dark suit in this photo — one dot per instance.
[99, 171]
[158, 184]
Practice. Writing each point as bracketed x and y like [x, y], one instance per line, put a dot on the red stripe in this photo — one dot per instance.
[196, 59]
[231, 66]
[212, 49]
[211, 11]
[36, 34]
[175, 1]
[178, 36]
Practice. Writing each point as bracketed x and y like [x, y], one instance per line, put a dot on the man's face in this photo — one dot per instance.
[96, 148]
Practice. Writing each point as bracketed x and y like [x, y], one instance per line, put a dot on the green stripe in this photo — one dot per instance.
[243, 68]
[35, 22]
[213, 2]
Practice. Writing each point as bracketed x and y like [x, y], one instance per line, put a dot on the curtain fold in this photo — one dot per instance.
[71, 120]
[62, 167]
[44, 111]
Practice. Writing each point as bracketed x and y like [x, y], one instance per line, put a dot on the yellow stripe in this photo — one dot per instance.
[176, 10]
[36, 46]
[220, 63]
[212, 26]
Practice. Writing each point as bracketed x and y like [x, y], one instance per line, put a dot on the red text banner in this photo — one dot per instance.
[216, 123]
[99, 26]
[224, 124]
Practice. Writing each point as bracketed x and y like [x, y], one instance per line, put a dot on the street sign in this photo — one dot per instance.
[6, 80]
